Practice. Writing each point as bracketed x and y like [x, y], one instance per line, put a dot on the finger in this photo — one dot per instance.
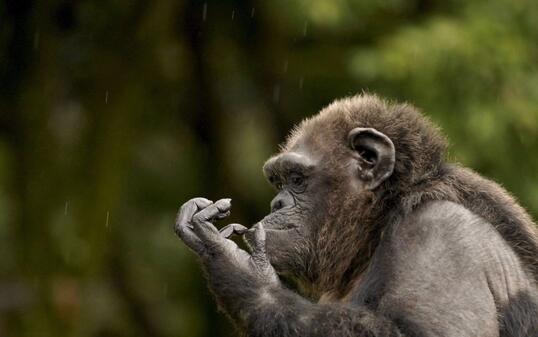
[202, 202]
[188, 209]
[185, 214]
[233, 228]
[212, 211]
[259, 254]
[207, 232]
[202, 225]
[190, 239]
[222, 215]
[182, 226]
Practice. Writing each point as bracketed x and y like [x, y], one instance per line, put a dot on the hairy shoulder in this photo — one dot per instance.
[444, 220]
[446, 234]
[433, 267]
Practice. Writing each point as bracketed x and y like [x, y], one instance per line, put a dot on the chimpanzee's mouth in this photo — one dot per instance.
[237, 229]
[278, 221]
[268, 226]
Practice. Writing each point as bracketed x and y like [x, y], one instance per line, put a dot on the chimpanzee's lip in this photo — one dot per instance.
[271, 228]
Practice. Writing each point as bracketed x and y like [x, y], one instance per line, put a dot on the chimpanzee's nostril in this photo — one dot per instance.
[276, 204]
[282, 200]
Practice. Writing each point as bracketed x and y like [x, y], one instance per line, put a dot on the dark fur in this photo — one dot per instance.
[435, 250]
[421, 175]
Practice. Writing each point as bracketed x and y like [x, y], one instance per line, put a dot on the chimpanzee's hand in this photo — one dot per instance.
[222, 257]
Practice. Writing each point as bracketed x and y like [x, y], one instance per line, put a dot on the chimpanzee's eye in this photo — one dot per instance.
[275, 181]
[296, 179]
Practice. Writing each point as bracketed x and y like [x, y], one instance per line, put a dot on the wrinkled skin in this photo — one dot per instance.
[282, 240]
[194, 225]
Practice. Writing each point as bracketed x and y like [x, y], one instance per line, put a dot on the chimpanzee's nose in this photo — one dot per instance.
[282, 200]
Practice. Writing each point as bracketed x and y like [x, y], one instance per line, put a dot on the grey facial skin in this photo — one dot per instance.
[372, 233]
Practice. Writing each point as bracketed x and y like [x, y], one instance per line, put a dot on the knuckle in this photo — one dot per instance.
[201, 202]
[209, 212]
[186, 205]
[180, 216]
[197, 218]
[180, 230]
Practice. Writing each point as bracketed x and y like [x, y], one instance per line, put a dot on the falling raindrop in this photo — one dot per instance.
[301, 82]
[204, 12]
[252, 12]
[107, 216]
[233, 14]
[106, 97]
[66, 207]
[276, 93]
[305, 28]
[36, 40]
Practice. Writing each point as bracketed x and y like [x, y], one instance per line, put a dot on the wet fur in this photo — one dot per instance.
[421, 174]
[435, 250]
[354, 226]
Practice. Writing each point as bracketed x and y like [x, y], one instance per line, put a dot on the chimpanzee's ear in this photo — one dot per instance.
[375, 155]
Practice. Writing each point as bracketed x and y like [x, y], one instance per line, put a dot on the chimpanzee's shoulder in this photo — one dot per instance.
[446, 222]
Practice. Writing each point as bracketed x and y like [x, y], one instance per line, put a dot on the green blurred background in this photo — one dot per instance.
[113, 113]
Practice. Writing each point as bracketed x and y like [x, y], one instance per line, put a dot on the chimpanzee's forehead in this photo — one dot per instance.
[315, 141]
[304, 148]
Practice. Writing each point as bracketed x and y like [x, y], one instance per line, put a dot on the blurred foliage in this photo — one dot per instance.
[113, 113]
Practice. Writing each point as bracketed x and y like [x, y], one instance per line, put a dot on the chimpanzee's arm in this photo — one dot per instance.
[276, 311]
[428, 277]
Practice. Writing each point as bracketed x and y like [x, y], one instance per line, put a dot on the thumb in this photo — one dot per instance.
[259, 253]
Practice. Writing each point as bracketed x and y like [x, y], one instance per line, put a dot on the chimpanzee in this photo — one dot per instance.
[372, 233]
